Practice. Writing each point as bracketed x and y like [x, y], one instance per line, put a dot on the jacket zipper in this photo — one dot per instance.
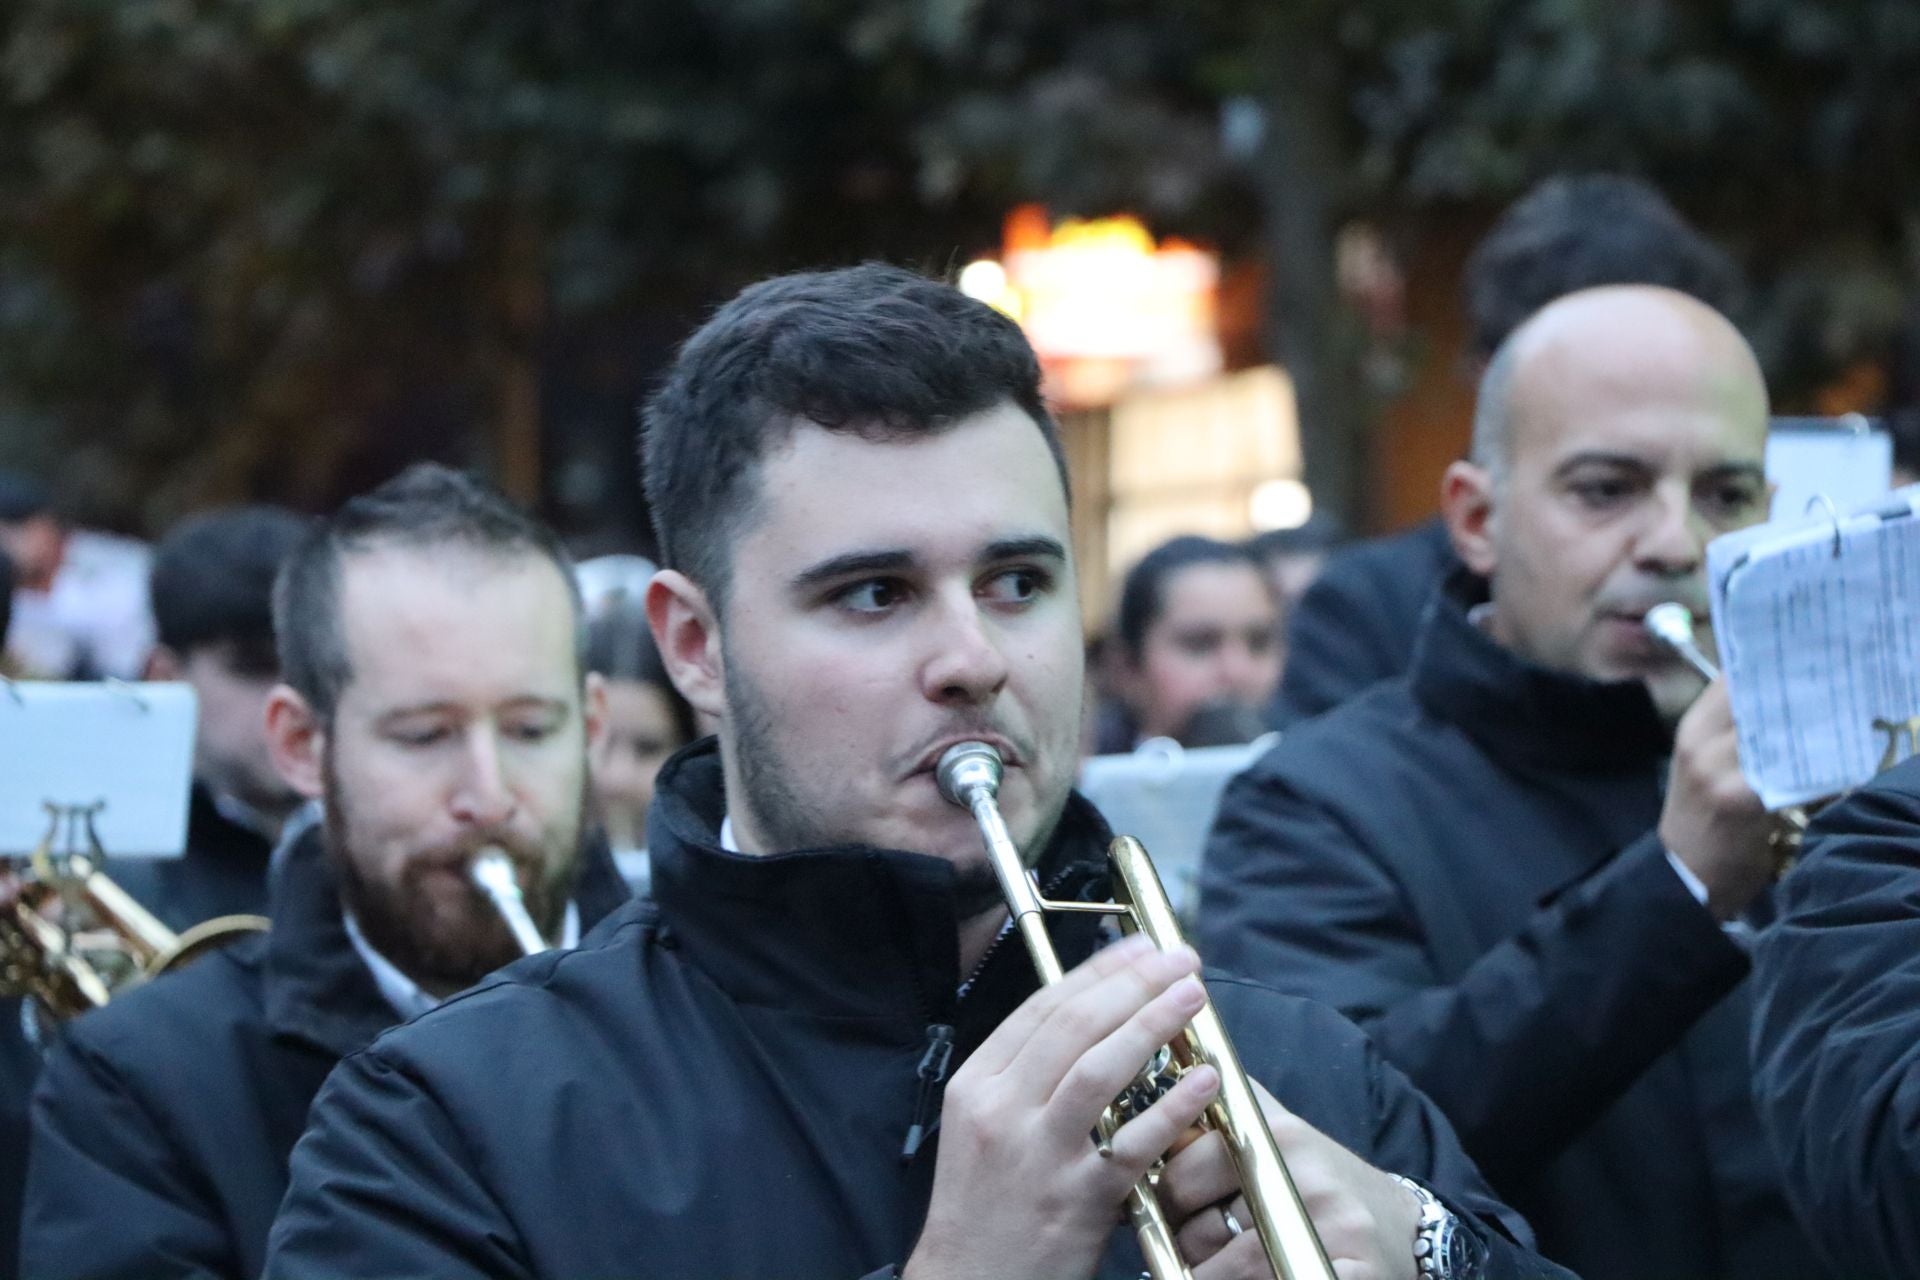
[932, 1072]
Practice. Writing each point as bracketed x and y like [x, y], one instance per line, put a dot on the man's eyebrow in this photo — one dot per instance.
[410, 710]
[1734, 470]
[1039, 547]
[1601, 458]
[899, 560]
[1604, 458]
[852, 564]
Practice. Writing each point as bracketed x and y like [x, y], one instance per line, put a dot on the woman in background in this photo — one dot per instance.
[647, 721]
[1198, 647]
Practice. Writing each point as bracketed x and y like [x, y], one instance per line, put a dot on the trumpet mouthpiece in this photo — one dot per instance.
[492, 872]
[1671, 622]
[965, 768]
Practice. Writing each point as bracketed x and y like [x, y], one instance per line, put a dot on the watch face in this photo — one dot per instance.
[1457, 1253]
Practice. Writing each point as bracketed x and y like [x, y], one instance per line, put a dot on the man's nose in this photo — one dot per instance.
[1675, 538]
[481, 795]
[967, 664]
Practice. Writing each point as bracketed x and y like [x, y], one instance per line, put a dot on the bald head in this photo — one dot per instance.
[1638, 347]
[1620, 430]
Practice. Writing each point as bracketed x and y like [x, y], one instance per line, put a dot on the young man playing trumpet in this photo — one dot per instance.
[435, 704]
[813, 1054]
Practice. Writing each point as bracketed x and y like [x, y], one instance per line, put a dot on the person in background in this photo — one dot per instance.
[79, 597]
[1528, 866]
[1356, 624]
[1903, 400]
[435, 704]
[1197, 628]
[212, 594]
[1294, 558]
[646, 721]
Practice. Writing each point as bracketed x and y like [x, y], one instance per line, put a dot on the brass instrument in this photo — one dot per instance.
[492, 874]
[969, 776]
[72, 938]
[1672, 624]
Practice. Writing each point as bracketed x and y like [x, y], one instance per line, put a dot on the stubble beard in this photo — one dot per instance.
[442, 951]
[788, 820]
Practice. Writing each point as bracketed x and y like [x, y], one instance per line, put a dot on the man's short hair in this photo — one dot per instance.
[1143, 597]
[424, 508]
[1580, 231]
[212, 582]
[22, 497]
[873, 350]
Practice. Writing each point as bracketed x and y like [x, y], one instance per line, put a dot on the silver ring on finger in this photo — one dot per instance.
[1233, 1224]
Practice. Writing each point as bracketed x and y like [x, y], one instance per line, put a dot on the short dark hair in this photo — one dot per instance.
[873, 350]
[620, 647]
[22, 497]
[1319, 532]
[1143, 596]
[1576, 232]
[212, 582]
[424, 507]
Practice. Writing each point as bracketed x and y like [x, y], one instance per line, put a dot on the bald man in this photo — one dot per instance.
[1526, 866]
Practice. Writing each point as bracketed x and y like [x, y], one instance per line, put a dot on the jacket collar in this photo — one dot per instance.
[846, 932]
[317, 987]
[1525, 715]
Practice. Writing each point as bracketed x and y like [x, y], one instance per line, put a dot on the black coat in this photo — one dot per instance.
[721, 1082]
[1356, 624]
[163, 1122]
[222, 873]
[1837, 1029]
[1463, 860]
[19, 1066]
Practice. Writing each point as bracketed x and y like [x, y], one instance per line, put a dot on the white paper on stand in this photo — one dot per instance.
[126, 747]
[1818, 625]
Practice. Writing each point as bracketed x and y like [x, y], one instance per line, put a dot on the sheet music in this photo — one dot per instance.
[126, 747]
[1818, 625]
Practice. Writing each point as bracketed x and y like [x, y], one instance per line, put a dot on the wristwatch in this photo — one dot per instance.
[1442, 1249]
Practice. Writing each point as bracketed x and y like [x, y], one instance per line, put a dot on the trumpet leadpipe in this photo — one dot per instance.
[492, 874]
[969, 776]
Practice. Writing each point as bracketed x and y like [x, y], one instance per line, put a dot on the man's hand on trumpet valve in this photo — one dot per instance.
[1366, 1220]
[1712, 820]
[1020, 1190]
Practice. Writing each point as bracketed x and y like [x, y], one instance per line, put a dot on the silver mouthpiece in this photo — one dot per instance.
[1672, 624]
[965, 768]
[492, 872]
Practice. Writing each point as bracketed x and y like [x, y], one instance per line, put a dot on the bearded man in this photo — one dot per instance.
[436, 704]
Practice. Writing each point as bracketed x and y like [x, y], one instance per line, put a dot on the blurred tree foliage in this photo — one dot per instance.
[243, 242]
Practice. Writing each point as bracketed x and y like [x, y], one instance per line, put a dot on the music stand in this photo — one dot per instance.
[111, 761]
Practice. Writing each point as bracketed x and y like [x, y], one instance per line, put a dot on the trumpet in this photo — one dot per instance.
[1672, 624]
[969, 776]
[492, 874]
[71, 939]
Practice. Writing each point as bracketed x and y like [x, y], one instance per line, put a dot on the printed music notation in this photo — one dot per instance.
[1818, 626]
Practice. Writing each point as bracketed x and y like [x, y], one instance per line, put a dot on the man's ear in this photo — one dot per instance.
[297, 741]
[164, 664]
[1467, 505]
[687, 633]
